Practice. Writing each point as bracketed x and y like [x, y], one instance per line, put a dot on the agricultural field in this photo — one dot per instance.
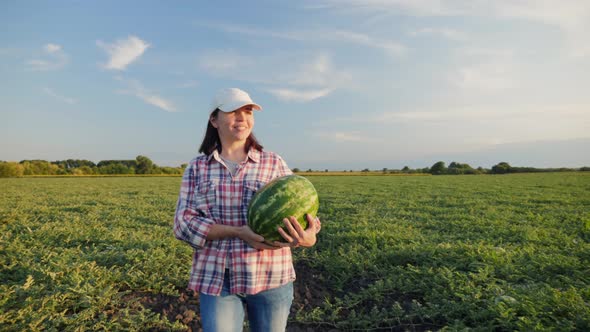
[396, 253]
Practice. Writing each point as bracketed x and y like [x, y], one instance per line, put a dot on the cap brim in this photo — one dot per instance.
[231, 108]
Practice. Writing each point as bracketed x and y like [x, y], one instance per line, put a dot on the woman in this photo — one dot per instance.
[232, 266]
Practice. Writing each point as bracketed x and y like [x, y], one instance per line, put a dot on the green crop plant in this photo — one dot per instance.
[482, 253]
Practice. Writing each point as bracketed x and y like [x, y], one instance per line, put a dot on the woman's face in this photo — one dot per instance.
[234, 126]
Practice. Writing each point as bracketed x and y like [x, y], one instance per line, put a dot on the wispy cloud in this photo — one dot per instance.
[289, 94]
[484, 70]
[391, 47]
[572, 17]
[53, 58]
[308, 76]
[59, 97]
[484, 77]
[123, 52]
[420, 8]
[309, 80]
[481, 113]
[135, 88]
[318, 71]
[52, 48]
[344, 136]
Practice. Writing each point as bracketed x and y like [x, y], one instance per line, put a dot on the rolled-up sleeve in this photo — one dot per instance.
[191, 221]
[282, 167]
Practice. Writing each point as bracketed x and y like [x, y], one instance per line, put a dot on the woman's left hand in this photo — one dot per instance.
[295, 235]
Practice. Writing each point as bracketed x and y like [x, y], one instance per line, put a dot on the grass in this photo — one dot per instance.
[487, 253]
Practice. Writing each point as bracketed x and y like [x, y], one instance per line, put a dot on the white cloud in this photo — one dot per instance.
[123, 52]
[484, 77]
[309, 80]
[318, 35]
[572, 17]
[420, 8]
[61, 98]
[574, 113]
[52, 48]
[447, 129]
[306, 78]
[288, 94]
[484, 70]
[138, 90]
[316, 71]
[344, 137]
[53, 58]
[390, 47]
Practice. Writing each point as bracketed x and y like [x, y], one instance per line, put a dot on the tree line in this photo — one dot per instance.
[139, 165]
[455, 168]
[144, 165]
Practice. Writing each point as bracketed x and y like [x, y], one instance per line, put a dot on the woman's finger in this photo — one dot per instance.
[290, 227]
[262, 245]
[281, 244]
[296, 226]
[285, 235]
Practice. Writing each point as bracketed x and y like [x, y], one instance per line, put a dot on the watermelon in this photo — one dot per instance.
[290, 195]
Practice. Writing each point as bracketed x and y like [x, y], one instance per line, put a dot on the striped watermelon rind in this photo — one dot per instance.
[290, 195]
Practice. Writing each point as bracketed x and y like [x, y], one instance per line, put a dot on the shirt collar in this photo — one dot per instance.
[253, 154]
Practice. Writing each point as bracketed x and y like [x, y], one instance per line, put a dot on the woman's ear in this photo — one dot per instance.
[213, 121]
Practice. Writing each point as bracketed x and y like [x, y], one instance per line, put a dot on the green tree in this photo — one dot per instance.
[11, 169]
[144, 165]
[39, 167]
[115, 169]
[438, 168]
[501, 168]
[458, 168]
[85, 170]
[170, 170]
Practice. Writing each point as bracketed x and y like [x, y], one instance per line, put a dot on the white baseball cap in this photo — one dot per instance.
[229, 100]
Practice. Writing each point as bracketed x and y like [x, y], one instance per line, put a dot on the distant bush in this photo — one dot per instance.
[11, 170]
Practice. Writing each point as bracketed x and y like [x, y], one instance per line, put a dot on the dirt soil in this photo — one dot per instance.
[184, 307]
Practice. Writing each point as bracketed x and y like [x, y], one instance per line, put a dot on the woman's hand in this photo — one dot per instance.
[296, 236]
[254, 240]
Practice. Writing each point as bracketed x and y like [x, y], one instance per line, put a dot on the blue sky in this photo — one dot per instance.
[343, 84]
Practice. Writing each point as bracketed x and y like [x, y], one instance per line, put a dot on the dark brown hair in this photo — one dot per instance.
[211, 141]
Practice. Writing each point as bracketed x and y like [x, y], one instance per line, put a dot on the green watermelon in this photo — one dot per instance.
[290, 195]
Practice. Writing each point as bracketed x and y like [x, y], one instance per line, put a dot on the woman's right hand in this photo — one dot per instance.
[254, 240]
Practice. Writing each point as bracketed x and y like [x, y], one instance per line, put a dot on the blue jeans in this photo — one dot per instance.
[267, 311]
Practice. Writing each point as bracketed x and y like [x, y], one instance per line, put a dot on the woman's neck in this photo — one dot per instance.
[234, 152]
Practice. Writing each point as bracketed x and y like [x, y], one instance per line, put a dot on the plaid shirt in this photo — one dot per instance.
[209, 195]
